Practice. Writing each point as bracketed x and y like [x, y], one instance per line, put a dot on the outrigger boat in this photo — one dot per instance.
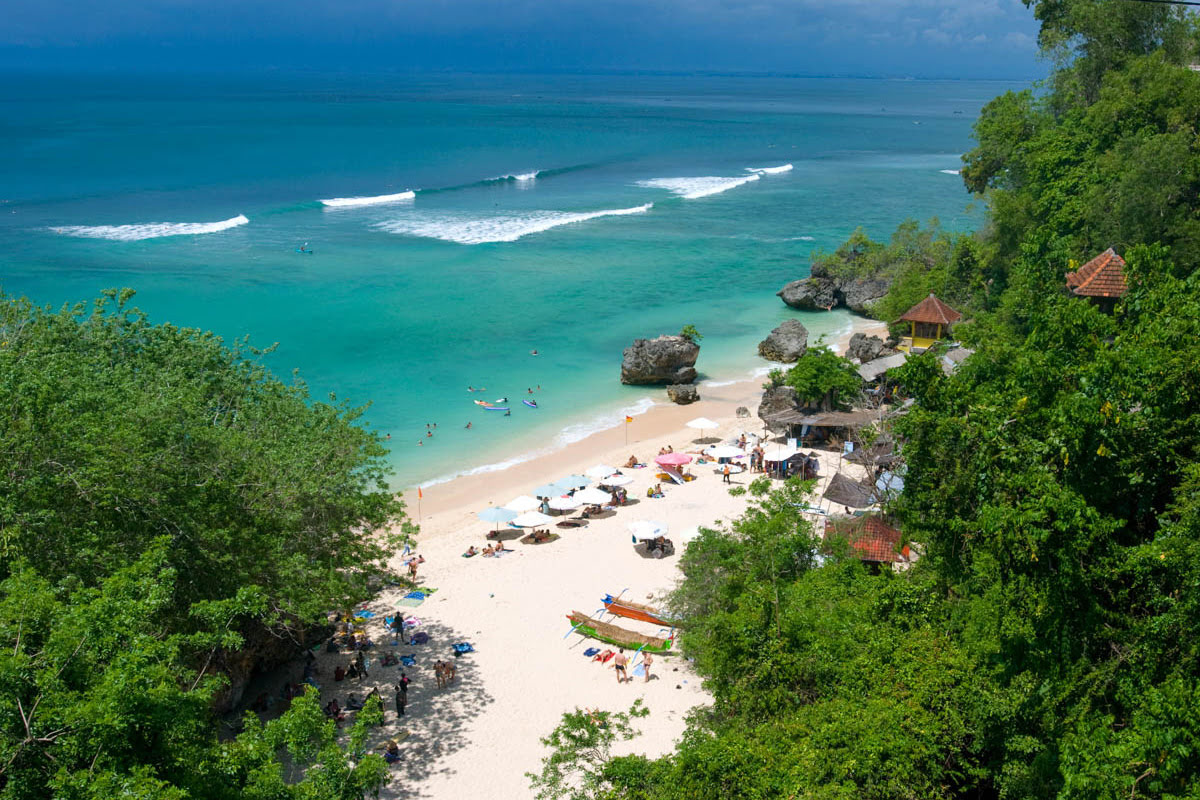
[595, 629]
[631, 610]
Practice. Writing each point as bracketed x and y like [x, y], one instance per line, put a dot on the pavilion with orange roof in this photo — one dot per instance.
[1102, 279]
[926, 320]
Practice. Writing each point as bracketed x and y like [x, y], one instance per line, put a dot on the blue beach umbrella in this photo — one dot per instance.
[497, 514]
[573, 482]
[549, 490]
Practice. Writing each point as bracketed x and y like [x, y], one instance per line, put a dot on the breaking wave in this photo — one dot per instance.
[150, 230]
[948, 171]
[503, 228]
[695, 188]
[770, 170]
[377, 200]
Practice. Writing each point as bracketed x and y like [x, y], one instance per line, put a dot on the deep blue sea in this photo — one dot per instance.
[503, 214]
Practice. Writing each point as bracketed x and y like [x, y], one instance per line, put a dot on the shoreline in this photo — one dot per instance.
[719, 397]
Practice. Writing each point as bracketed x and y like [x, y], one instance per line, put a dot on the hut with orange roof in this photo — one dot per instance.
[927, 321]
[1101, 280]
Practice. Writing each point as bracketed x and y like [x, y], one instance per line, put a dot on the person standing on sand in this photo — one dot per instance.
[647, 660]
[401, 702]
[619, 664]
[725, 474]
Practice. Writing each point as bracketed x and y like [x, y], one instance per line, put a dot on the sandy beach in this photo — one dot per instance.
[480, 736]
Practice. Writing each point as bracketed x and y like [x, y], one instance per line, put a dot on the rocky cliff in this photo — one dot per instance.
[786, 343]
[820, 292]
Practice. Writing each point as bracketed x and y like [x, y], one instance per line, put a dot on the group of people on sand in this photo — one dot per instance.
[621, 666]
[489, 551]
[445, 672]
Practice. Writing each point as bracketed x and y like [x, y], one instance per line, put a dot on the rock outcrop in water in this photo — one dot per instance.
[820, 292]
[667, 359]
[786, 343]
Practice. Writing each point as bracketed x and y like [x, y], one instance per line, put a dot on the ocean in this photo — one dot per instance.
[457, 223]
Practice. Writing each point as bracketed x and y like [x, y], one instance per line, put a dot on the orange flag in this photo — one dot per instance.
[628, 420]
[419, 493]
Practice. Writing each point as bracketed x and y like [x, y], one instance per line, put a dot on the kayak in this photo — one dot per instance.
[495, 408]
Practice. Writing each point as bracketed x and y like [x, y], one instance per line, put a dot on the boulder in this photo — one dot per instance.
[683, 393]
[667, 359]
[864, 348]
[810, 294]
[742, 412]
[775, 400]
[786, 343]
[859, 296]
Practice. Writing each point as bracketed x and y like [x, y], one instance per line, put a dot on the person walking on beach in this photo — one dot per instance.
[401, 702]
[647, 660]
[619, 664]
[725, 474]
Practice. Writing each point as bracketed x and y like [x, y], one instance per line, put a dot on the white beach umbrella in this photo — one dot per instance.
[600, 471]
[780, 452]
[617, 480]
[531, 519]
[573, 482]
[522, 503]
[565, 503]
[497, 514]
[703, 424]
[647, 528]
[592, 495]
[724, 451]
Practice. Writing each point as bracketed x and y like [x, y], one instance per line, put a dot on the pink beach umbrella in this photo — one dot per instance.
[673, 459]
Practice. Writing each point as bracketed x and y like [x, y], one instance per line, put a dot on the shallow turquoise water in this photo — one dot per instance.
[406, 304]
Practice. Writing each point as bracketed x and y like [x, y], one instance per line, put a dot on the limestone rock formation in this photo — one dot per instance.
[865, 348]
[742, 412]
[820, 293]
[667, 359]
[786, 343]
[775, 400]
[683, 393]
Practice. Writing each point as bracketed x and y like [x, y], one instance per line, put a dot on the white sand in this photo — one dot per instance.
[479, 737]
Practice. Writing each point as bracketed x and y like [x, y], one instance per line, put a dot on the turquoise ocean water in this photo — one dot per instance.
[564, 214]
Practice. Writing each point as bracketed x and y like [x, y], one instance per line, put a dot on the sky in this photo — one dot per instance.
[914, 38]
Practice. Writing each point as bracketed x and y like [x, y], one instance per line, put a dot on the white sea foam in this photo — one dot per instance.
[602, 422]
[948, 171]
[502, 228]
[770, 170]
[695, 188]
[804, 238]
[150, 230]
[377, 200]
[522, 177]
[569, 435]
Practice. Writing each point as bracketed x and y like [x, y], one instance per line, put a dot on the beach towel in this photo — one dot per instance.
[412, 599]
[468, 555]
[364, 614]
[408, 661]
[463, 647]
[591, 651]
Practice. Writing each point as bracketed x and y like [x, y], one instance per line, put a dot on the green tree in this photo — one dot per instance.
[821, 377]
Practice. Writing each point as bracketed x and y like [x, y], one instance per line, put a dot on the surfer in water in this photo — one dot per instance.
[533, 352]
[532, 403]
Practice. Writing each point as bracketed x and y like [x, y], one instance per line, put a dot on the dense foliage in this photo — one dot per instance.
[164, 499]
[821, 378]
[1047, 643]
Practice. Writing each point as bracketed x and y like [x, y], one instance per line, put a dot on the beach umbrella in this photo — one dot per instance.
[647, 528]
[532, 519]
[549, 490]
[573, 482]
[600, 471]
[591, 495]
[617, 480]
[565, 503]
[522, 503]
[673, 459]
[496, 514]
[724, 451]
[703, 424]
[780, 452]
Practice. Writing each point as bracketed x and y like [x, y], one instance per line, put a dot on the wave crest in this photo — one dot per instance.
[150, 230]
[695, 188]
[507, 228]
[769, 170]
[356, 202]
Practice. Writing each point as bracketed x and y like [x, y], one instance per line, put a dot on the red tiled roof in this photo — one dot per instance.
[871, 538]
[931, 310]
[1103, 276]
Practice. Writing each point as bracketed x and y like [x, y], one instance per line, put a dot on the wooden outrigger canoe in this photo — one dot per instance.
[604, 632]
[631, 610]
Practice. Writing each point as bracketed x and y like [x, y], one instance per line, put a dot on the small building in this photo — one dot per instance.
[927, 321]
[870, 538]
[1102, 279]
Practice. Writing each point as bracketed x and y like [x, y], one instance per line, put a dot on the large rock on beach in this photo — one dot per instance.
[683, 393]
[865, 348]
[821, 293]
[775, 400]
[786, 343]
[667, 359]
